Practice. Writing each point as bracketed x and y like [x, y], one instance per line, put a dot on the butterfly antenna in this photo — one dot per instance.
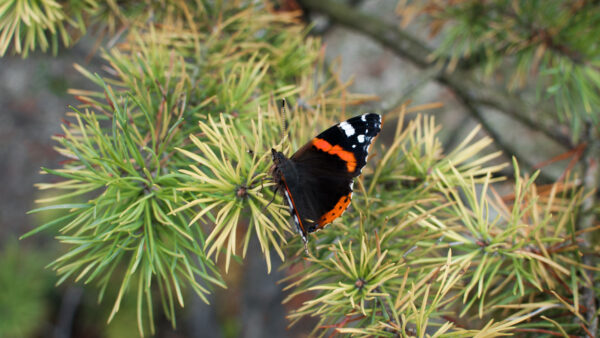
[284, 120]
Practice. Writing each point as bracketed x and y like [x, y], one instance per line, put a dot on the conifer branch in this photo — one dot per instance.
[164, 175]
[461, 82]
[499, 140]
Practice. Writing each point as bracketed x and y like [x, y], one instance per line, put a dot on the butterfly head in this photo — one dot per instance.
[276, 155]
[279, 161]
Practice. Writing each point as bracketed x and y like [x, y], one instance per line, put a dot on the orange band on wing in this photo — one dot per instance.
[337, 210]
[346, 156]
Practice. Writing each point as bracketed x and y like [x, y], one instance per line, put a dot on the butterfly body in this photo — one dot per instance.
[317, 180]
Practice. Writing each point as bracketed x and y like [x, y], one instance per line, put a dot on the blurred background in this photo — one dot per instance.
[34, 99]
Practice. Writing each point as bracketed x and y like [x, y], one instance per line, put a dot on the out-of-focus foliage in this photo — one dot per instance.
[549, 45]
[25, 284]
[41, 24]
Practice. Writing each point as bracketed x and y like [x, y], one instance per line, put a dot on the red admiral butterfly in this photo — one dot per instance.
[317, 180]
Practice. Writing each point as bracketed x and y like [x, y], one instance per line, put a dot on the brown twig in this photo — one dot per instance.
[587, 219]
[506, 147]
[410, 48]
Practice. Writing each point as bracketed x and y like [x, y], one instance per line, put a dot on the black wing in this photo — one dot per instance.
[326, 167]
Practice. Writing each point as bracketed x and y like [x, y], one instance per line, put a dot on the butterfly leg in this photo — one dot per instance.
[274, 195]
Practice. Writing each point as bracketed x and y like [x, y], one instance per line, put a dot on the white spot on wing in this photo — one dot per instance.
[351, 185]
[363, 118]
[293, 212]
[361, 138]
[354, 146]
[288, 200]
[348, 129]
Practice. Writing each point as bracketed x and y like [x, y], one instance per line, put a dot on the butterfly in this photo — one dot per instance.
[317, 179]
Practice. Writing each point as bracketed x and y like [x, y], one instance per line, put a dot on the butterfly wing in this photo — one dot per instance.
[349, 141]
[325, 169]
